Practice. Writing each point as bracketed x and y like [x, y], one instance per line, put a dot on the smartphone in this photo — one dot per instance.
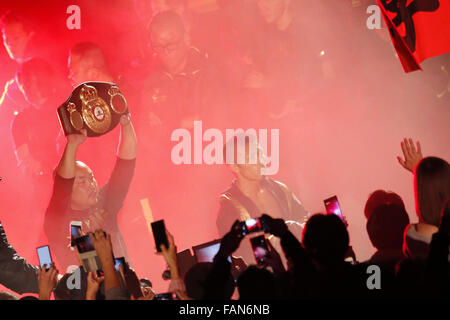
[84, 244]
[332, 207]
[44, 256]
[75, 231]
[159, 233]
[251, 225]
[260, 248]
[166, 296]
[100, 273]
[120, 262]
[88, 255]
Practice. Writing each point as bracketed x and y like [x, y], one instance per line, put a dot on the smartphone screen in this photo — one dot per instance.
[251, 225]
[75, 232]
[159, 233]
[119, 262]
[332, 207]
[260, 249]
[84, 244]
[44, 256]
[166, 296]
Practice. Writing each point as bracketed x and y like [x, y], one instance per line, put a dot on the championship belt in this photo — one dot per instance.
[94, 106]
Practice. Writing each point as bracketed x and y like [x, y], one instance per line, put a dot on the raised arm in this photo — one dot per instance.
[128, 142]
[66, 167]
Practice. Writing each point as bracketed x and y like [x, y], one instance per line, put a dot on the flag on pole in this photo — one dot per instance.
[420, 29]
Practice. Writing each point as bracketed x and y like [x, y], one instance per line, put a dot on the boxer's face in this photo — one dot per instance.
[85, 188]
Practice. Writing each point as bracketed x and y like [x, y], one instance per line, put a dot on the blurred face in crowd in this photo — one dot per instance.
[35, 89]
[171, 45]
[15, 39]
[272, 10]
[85, 188]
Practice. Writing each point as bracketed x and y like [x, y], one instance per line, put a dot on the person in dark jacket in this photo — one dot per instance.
[15, 273]
[253, 194]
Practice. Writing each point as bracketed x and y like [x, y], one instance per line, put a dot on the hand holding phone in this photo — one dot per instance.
[45, 258]
[251, 225]
[159, 234]
[260, 249]
[47, 280]
[332, 207]
[88, 255]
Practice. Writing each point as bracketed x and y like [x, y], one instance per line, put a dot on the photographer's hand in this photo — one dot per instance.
[103, 247]
[170, 255]
[277, 227]
[47, 280]
[231, 241]
[273, 259]
[93, 284]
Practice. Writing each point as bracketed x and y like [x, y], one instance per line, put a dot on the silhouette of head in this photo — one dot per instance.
[195, 281]
[386, 225]
[380, 197]
[256, 283]
[326, 238]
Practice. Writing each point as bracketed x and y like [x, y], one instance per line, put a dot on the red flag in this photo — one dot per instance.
[420, 29]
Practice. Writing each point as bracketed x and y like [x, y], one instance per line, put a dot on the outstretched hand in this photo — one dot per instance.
[412, 154]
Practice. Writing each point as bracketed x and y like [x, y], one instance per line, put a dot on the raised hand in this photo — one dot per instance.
[47, 280]
[231, 241]
[411, 154]
[273, 259]
[277, 227]
[170, 255]
[125, 119]
[147, 294]
[102, 244]
[77, 138]
[93, 284]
